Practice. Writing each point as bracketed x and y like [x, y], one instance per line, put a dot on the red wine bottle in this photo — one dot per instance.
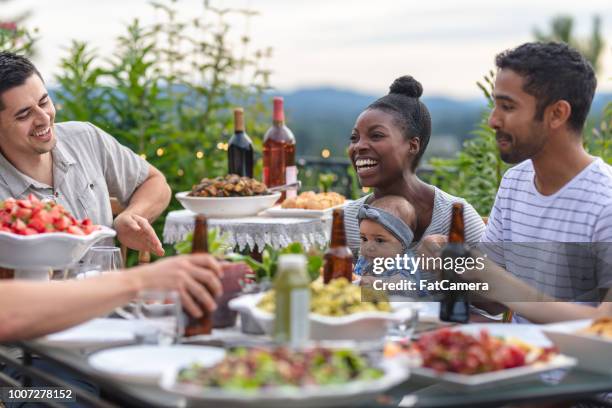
[240, 150]
[279, 151]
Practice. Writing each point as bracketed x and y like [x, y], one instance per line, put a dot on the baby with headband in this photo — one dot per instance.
[386, 228]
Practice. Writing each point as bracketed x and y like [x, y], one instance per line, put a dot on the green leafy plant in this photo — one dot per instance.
[168, 90]
[477, 170]
[561, 29]
[326, 180]
[16, 38]
[217, 243]
[266, 269]
[598, 141]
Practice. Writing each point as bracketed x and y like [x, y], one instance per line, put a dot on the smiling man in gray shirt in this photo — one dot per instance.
[75, 163]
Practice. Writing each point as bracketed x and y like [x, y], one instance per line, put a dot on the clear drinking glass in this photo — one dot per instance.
[78, 271]
[403, 328]
[108, 258]
[160, 313]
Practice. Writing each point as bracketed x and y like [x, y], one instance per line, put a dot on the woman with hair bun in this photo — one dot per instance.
[386, 145]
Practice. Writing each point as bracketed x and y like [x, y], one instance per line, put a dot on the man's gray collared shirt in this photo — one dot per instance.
[89, 167]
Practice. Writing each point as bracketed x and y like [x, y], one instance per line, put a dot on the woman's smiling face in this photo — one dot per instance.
[379, 151]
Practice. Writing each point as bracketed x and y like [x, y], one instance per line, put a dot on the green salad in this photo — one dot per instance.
[255, 368]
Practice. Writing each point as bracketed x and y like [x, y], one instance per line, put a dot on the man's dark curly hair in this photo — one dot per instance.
[410, 114]
[14, 71]
[553, 72]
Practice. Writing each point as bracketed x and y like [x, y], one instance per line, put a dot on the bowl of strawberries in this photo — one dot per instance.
[38, 234]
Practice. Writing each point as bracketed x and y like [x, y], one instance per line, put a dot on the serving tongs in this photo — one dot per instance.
[297, 185]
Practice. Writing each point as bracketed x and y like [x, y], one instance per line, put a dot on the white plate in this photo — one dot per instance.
[278, 211]
[146, 364]
[594, 353]
[96, 333]
[48, 250]
[528, 333]
[332, 395]
[226, 207]
[362, 326]
[509, 376]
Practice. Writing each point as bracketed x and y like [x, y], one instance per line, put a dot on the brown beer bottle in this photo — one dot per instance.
[455, 305]
[456, 234]
[202, 325]
[7, 273]
[338, 258]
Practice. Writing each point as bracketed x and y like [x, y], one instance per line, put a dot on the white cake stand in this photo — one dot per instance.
[33, 256]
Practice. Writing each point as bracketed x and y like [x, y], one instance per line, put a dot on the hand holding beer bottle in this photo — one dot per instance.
[201, 325]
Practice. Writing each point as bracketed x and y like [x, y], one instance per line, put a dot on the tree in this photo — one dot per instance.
[561, 30]
[476, 171]
[14, 36]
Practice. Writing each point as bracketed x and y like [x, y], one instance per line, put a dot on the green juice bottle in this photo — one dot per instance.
[292, 287]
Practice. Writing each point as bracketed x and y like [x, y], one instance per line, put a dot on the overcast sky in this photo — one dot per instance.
[356, 44]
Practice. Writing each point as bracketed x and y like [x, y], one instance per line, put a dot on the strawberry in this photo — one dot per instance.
[23, 213]
[18, 225]
[88, 229]
[37, 224]
[32, 216]
[73, 229]
[62, 223]
[24, 203]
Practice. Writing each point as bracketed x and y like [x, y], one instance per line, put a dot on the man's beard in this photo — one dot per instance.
[46, 150]
[521, 151]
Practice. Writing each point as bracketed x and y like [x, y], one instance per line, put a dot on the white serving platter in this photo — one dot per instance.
[227, 207]
[278, 211]
[348, 394]
[528, 333]
[361, 326]
[593, 353]
[47, 250]
[145, 364]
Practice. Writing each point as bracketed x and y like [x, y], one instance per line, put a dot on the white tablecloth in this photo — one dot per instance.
[248, 232]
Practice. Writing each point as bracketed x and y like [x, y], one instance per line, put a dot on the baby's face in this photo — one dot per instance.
[377, 242]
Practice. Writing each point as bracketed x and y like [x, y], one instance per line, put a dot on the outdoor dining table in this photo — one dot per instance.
[255, 232]
[576, 385]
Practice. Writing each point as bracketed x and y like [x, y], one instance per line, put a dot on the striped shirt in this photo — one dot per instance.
[558, 243]
[440, 219]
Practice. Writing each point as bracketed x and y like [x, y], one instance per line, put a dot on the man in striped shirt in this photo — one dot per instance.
[551, 224]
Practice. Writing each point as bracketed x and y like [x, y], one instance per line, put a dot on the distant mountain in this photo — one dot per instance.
[323, 118]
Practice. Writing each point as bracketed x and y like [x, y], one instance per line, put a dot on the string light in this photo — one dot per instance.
[200, 154]
[160, 152]
[325, 153]
[220, 146]
[180, 172]
[366, 189]
[143, 156]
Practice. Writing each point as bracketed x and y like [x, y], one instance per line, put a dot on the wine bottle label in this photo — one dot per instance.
[291, 177]
[299, 331]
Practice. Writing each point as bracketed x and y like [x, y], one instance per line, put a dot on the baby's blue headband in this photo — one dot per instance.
[391, 223]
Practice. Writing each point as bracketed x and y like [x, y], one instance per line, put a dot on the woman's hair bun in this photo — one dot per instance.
[406, 85]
